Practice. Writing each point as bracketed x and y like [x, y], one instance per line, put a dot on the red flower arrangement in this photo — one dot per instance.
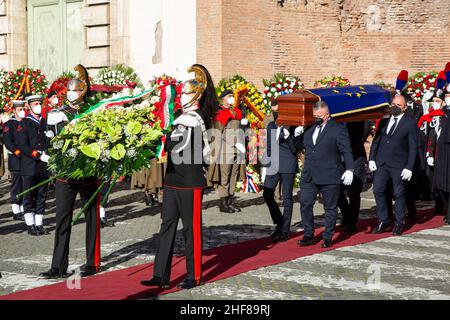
[421, 82]
[15, 84]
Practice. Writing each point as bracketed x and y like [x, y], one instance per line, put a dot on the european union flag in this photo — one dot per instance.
[352, 99]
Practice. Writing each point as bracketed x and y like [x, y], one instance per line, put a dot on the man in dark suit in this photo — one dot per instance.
[392, 157]
[282, 166]
[359, 132]
[325, 144]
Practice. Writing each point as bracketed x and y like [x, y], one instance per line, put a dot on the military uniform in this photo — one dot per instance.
[33, 143]
[187, 148]
[229, 166]
[11, 130]
[66, 192]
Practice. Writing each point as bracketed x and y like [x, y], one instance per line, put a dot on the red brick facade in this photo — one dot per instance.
[367, 41]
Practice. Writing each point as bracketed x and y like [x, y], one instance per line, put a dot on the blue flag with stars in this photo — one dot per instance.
[352, 99]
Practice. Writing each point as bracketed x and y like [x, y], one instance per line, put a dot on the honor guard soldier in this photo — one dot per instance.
[33, 143]
[11, 131]
[230, 146]
[66, 192]
[187, 147]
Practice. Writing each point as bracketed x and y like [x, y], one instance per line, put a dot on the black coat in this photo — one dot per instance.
[398, 150]
[442, 160]
[187, 145]
[286, 161]
[11, 130]
[32, 141]
[358, 132]
[323, 161]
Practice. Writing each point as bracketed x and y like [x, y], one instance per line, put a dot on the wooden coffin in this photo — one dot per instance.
[349, 104]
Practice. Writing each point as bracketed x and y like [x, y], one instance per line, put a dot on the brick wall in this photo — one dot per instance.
[366, 40]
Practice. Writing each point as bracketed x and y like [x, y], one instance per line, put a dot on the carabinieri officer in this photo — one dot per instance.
[188, 148]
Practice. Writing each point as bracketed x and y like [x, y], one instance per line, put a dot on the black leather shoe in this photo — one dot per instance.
[32, 230]
[155, 200]
[398, 230]
[54, 274]
[148, 200]
[187, 284]
[224, 207]
[155, 282]
[88, 271]
[306, 241]
[281, 238]
[380, 228]
[447, 220]
[326, 243]
[105, 223]
[41, 231]
[230, 202]
[275, 234]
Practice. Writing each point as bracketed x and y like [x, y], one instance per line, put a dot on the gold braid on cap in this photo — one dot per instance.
[197, 85]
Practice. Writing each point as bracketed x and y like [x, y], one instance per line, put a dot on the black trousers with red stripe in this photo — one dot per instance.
[66, 193]
[187, 205]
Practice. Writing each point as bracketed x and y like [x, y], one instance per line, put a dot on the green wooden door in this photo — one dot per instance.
[55, 35]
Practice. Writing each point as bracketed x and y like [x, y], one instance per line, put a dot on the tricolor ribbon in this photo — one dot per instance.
[249, 185]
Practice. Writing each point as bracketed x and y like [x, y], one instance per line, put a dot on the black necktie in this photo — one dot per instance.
[391, 131]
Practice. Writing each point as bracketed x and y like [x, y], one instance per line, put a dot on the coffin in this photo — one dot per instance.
[347, 104]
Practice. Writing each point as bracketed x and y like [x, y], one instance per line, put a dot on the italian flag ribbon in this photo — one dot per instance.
[112, 102]
[168, 94]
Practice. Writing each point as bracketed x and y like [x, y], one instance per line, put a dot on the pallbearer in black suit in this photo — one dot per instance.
[33, 143]
[188, 148]
[11, 130]
[325, 144]
[359, 132]
[282, 166]
[392, 157]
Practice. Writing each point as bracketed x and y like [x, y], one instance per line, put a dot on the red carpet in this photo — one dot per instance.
[218, 263]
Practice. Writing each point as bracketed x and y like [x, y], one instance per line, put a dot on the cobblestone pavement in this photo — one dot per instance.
[133, 241]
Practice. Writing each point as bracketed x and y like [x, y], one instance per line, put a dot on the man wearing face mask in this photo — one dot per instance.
[231, 151]
[33, 143]
[281, 166]
[11, 130]
[441, 153]
[66, 192]
[392, 157]
[188, 149]
[325, 144]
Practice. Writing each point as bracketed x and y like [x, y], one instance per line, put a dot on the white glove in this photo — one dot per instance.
[286, 133]
[430, 161]
[49, 134]
[240, 147]
[372, 166]
[44, 158]
[244, 122]
[298, 131]
[347, 178]
[406, 174]
[263, 174]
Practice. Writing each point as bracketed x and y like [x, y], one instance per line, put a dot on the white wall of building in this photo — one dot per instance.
[178, 19]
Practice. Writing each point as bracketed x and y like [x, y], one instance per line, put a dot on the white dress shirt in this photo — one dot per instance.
[316, 132]
[391, 122]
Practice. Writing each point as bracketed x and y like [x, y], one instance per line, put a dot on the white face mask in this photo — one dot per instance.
[185, 100]
[54, 101]
[37, 109]
[72, 96]
[21, 114]
[436, 105]
[231, 101]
